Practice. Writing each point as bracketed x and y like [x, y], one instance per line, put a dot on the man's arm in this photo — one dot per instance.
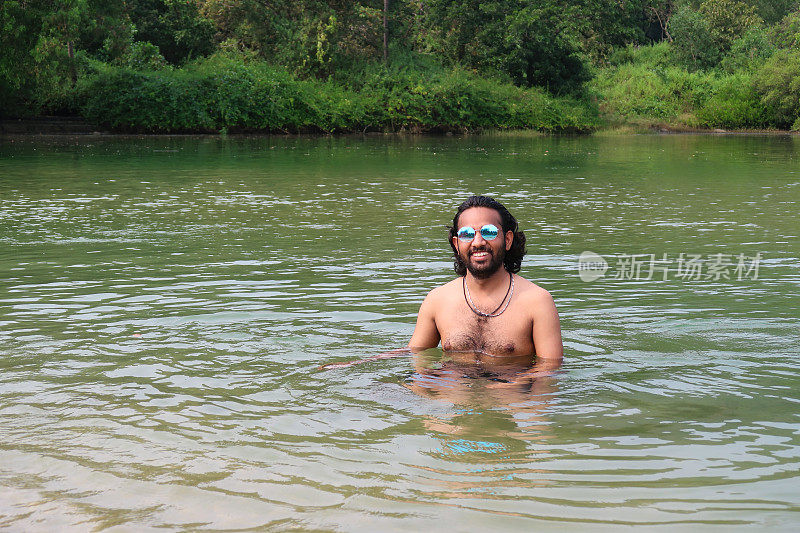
[546, 328]
[426, 334]
[385, 355]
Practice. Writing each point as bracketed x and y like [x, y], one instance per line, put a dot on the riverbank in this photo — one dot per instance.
[657, 127]
[80, 126]
[640, 91]
[48, 126]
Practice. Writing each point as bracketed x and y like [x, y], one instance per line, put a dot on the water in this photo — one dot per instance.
[165, 303]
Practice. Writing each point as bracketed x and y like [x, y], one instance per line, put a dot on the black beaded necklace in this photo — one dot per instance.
[506, 298]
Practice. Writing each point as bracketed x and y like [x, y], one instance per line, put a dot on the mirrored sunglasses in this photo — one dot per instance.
[489, 232]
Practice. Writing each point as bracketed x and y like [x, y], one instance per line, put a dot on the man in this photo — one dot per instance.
[489, 316]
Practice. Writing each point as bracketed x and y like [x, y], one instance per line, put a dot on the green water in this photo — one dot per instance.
[165, 303]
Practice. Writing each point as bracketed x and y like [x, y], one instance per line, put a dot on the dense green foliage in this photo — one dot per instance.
[309, 65]
[225, 93]
[648, 85]
[722, 67]
[778, 82]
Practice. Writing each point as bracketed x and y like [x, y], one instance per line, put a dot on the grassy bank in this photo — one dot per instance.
[645, 87]
[235, 94]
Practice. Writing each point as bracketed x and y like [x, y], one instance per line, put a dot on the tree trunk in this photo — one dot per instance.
[71, 53]
[385, 31]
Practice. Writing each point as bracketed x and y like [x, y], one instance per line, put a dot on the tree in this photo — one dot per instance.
[786, 34]
[728, 19]
[20, 26]
[772, 10]
[536, 50]
[313, 36]
[658, 14]
[704, 35]
[533, 43]
[693, 39]
[176, 27]
[386, 31]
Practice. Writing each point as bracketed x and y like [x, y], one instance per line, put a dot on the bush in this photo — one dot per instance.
[445, 101]
[640, 90]
[748, 51]
[255, 96]
[455, 100]
[778, 84]
[734, 104]
[168, 101]
[636, 91]
[144, 56]
[226, 92]
[657, 55]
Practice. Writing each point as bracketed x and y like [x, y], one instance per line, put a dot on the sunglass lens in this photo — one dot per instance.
[489, 232]
[466, 234]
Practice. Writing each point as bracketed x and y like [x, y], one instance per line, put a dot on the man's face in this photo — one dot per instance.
[481, 257]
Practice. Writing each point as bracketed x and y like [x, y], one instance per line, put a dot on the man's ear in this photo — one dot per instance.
[509, 239]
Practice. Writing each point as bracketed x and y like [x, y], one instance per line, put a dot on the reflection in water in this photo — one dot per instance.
[497, 415]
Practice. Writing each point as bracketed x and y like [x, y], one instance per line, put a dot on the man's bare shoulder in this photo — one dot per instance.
[444, 291]
[531, 292]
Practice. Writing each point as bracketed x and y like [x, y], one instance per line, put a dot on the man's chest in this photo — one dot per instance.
[462, 330]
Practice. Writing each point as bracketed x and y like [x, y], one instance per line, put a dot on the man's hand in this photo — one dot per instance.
[385, 355]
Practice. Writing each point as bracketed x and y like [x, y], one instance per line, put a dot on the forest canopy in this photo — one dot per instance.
[389, 65]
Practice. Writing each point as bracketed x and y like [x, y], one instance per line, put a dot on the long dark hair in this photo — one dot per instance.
[513, 258]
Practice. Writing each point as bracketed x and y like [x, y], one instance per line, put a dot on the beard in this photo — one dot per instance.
[487, 270]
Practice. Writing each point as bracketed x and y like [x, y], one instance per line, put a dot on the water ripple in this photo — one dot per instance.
[165, 308]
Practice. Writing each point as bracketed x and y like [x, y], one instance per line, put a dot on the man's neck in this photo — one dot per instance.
[488, 285]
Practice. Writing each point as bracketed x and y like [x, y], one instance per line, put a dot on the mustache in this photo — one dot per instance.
[480, 249]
